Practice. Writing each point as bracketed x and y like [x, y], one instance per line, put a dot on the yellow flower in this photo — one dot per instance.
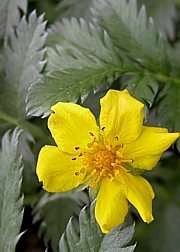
[105, 157]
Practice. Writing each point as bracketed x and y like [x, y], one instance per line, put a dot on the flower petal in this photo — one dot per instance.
[140, 195]
[72, 127]
[147, 162]
[57, 170]
[148, 148]
[121, 117]
[111, 206]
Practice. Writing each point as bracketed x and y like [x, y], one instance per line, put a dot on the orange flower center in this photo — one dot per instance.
[100, 162]
[103, 160]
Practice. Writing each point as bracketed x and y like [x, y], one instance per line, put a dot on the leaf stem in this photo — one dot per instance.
[158, 76]
[164, 78]
[33, 129]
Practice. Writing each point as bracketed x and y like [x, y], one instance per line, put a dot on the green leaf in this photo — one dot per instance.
[11, 204]
[168, 110]
[23, 61]
[164, 13]
[174, 59]
[67, 86]
[83, 44]
[10, 15]
[85, 61]
[115, 240]
[92, 239]
[54, 211]
[30, 182]
[75, 8]
[144, 88]
[132, 32]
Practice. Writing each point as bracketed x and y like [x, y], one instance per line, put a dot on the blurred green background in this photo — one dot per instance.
[46, 215]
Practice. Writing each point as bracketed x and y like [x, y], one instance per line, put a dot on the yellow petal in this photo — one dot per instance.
[121, 117]
[111, 205]
[72, 127]
[148, 148]
[147, 162]
[57, 170]
[140, 195]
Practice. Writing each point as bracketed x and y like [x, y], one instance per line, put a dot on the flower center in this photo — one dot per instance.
[100, 162]
[103, 160]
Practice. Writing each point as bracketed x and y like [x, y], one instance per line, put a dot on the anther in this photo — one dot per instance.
[74, 158]
[80, 155]
[83, 170]
[89, 145]
[127, 161]
[93, 185]
[111, 177]
[115, 164]
[116, 172]
[85, 162]
[102, 173]
[76, 148]
[117, 138]
[90, 133]
[103, 128]
[76, 173]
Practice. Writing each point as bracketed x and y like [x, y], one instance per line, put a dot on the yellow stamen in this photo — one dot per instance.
[103, 160]
[126, 161]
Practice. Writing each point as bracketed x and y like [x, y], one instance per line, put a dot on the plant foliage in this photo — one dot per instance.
[23, 61]
[92, 239]
[133, 32]
[54, 211]
[83, 49]
[10, 15]
[75, 68]
[11, 202]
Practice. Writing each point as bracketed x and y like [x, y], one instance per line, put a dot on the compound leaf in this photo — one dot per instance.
[92, 239]
[85, 60]
[11, 203]
[54, 211]
[144, 88]
[10, 15]
[132, 32]
[168, 110]
[23, 62]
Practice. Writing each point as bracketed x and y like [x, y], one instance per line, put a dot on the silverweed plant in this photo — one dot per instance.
[90, 125]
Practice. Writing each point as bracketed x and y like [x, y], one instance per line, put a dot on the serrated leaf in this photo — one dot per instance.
[91, 239]
[164, 13]
[11, 203]
[54, 211]
[85, 60]
[23, 61]
[174, 59]
[10, 15]
[168, 109]
[115, 239]
[132, 32]
[144, 88]
[67, 86]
